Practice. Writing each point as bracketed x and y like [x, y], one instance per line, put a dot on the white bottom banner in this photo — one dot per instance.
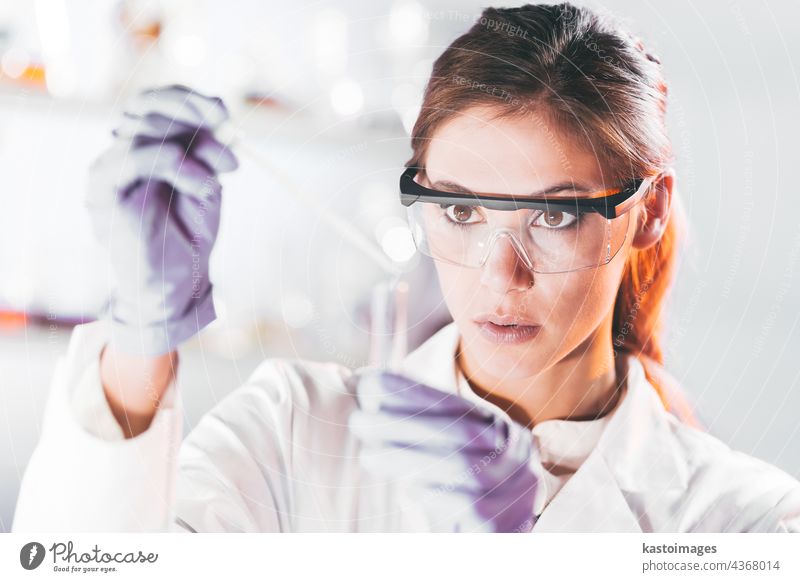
[406, 557]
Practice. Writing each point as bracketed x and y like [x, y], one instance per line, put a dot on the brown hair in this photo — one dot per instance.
[580, 71]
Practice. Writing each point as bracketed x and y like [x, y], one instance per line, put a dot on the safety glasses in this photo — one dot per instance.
[551, 234]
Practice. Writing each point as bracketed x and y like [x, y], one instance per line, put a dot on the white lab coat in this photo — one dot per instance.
[276, 455]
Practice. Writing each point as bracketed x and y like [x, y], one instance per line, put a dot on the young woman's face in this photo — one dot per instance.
[514, 156]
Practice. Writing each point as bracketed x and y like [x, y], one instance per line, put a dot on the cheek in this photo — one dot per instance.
[461, 288]
[582, 301]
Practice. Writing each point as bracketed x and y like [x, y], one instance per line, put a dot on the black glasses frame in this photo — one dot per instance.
[611, 206]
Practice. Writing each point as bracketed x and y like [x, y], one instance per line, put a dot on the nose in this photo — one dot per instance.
[505, 269]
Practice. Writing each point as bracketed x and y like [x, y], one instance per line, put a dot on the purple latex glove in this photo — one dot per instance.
[470, 469]
[154, 202]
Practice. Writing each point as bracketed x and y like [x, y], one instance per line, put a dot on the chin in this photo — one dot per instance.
[506, 361]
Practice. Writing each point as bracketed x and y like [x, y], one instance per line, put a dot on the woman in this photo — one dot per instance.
[541, 185]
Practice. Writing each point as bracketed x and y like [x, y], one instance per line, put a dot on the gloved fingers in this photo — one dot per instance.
[482, 476]
[151, 125]
[167, 162]
[497, 494]
[450, 510]
[212, 153]
[502, 505]
[211, 109]
[517, 442]
[149, 219]
[399, 393]
[198, 217]
[415, 465]
[473, 470]
[165, 255]
[455, 510]
[199, 143]
[127, 194]
[439, 467]
[181, 104]
[444, 433]
[148, 207]
[509, 505]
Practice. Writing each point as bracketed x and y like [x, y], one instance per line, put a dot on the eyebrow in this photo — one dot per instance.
[449, 186]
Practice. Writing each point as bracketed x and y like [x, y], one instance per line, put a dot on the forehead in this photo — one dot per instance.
[486, 153]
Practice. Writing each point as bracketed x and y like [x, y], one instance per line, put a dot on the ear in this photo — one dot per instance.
[654, 211]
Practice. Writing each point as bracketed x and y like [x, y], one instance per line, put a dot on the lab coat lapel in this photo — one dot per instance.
[635, 453]
[590, 501]
[433, 363]
[639, 443]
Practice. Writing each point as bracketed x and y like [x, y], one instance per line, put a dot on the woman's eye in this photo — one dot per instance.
[555, 219]
[462, 214]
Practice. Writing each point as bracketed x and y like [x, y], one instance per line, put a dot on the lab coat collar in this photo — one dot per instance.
[433, 363]
[638, 443]
[636, 452]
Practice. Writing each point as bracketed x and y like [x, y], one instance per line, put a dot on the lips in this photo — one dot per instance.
[503, 319]
[506, 329]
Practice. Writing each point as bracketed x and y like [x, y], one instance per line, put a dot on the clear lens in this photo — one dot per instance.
[553, 241]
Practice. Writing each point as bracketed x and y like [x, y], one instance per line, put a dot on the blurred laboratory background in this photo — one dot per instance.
[329, 92]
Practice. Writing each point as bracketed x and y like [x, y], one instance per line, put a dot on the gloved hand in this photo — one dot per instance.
[154, 201]
[469, 468]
